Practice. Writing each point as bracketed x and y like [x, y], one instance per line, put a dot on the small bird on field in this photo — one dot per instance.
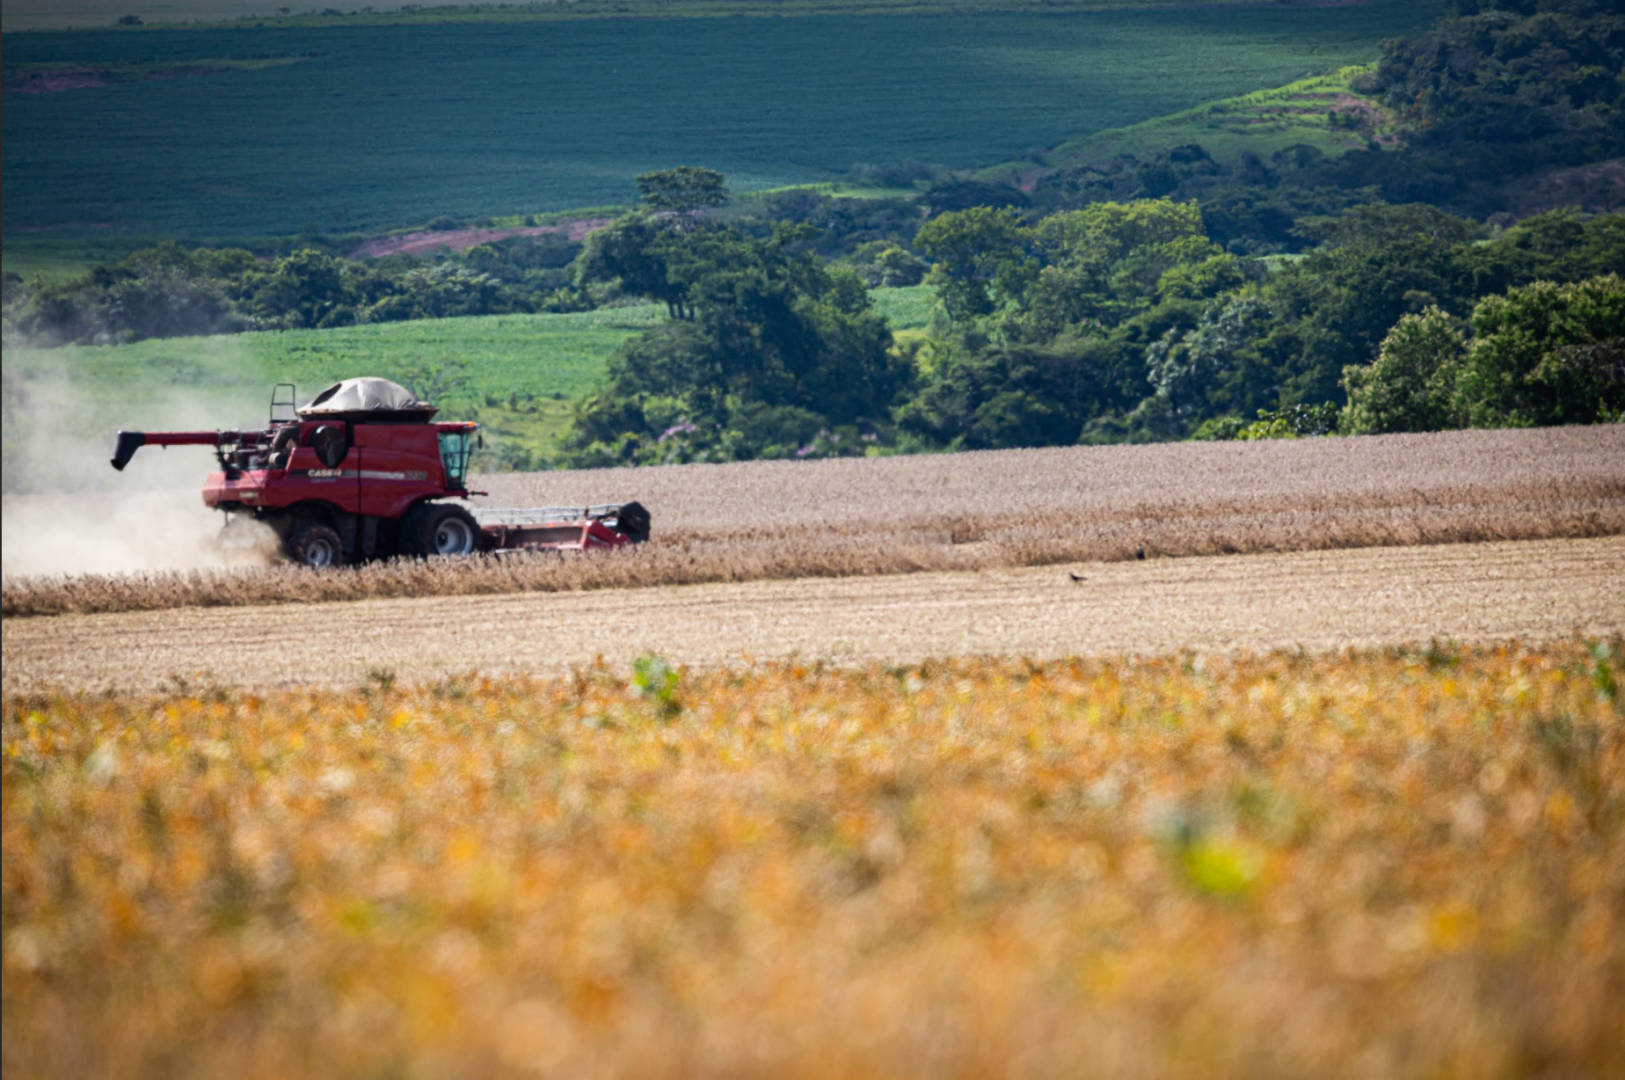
[1075, 577]
[1139, 552]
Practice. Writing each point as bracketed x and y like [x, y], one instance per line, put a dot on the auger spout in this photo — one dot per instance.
[128, 442]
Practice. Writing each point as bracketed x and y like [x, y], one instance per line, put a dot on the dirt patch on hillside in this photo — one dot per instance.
[53, 79]
[420, 243]
[51, 82]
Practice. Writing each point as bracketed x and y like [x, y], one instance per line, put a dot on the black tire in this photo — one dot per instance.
[633, 522]
[440, 529]
[314, 545]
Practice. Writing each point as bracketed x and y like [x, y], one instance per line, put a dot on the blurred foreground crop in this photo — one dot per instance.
[1386, 863]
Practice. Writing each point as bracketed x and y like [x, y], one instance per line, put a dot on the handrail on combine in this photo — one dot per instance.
[542, 515]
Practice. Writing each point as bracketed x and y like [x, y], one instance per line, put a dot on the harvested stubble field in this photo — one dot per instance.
[1526, 590]
[1378, 864]
[993, 510]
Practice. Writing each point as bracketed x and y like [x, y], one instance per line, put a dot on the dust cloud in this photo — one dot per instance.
[104, 533]
[65, 510]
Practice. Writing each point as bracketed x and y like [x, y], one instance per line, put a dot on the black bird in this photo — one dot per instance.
[1076, 577]
[1139, 552]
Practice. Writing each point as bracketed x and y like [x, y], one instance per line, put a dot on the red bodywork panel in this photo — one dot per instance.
[386, 469]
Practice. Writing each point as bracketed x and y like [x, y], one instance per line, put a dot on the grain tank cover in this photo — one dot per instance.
[367, 399]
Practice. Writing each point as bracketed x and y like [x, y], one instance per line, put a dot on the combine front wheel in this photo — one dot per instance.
[441, 529]
[315, 546]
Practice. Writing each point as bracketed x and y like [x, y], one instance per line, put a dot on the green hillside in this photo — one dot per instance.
[1318, 112]
[363, 133]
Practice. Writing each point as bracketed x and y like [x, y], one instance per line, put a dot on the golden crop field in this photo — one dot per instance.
[1000, 509]
[1384, 863]
[986, 495]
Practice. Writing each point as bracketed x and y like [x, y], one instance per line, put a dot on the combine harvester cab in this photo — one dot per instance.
[360, 473]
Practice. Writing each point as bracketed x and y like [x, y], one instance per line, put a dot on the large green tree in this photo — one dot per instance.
[776, 354]
[1411, 385]
[982, 259]
[1542, 354]
[1546, 354]
[635, 254]
[683, 191]
[1106, 262]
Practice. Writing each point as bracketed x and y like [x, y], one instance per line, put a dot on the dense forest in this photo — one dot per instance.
[1116, 322]
[1439, 277]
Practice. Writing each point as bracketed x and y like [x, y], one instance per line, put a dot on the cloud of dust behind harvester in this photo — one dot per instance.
[66, 511]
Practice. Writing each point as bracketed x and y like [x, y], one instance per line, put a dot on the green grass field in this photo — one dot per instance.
[1262, 122]
[905, 309]
[386, 126]
[521, 375]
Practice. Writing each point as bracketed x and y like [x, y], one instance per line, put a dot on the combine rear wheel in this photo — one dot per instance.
[440, 529]
[315, 546]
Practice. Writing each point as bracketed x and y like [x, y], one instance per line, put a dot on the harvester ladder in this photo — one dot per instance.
[277, 401]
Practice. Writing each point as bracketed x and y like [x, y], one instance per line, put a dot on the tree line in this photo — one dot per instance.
[1117, 322]
[170, 291]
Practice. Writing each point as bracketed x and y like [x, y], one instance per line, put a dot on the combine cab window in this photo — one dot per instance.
[454, 456]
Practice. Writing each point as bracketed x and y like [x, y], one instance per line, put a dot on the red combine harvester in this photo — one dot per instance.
[359, 473]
